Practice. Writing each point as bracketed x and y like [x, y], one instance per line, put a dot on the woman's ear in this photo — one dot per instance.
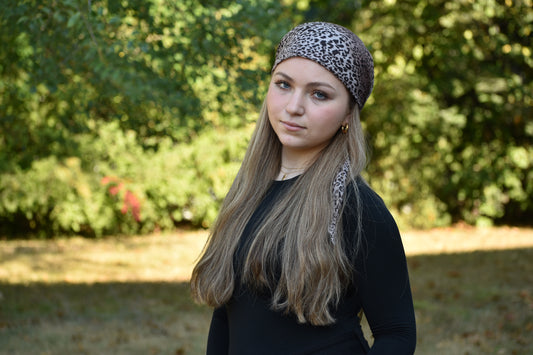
[347, 118]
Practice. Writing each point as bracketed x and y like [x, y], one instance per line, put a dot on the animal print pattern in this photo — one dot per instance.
[338, 194]
[337, 49]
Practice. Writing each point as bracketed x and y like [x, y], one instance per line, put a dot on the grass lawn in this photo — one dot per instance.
[473, 292]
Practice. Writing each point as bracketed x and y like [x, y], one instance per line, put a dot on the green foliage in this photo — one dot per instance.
[451, 114]
[116, 186]
[131, 90]
[161, 68]
[53, 197]
[132, 116]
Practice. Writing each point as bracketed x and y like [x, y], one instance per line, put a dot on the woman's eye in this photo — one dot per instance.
[320, 95]
[283, 84]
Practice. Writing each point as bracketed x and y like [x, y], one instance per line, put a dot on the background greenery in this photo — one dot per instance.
[133, 116]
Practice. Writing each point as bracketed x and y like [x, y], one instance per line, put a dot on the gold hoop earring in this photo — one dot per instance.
[344, 128]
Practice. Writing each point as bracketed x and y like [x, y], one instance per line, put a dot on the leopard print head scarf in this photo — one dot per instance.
[337, 49]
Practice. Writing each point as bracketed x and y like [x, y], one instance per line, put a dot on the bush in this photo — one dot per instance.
[117, 187]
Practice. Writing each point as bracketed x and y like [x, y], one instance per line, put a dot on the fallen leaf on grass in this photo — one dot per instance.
[529, 327]
[510, 316]
[454, 274]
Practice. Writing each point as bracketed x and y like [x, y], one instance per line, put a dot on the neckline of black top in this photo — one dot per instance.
[286, 180]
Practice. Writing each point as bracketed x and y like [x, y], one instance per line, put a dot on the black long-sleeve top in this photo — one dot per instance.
[247, 325]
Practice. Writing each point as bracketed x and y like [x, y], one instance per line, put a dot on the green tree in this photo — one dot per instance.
[453, 110]
[162, 68]
[149, 70]
[133, 116]
[450, 119]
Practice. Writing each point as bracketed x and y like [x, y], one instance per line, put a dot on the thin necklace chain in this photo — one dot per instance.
[284, 168]
[288, 171]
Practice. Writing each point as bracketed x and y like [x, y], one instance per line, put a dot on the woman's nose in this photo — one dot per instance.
[295, 104]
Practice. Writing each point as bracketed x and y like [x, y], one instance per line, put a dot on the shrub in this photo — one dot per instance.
[117, 187]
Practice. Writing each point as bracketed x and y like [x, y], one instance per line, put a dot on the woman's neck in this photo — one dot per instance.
[293, 165]
[289, 173]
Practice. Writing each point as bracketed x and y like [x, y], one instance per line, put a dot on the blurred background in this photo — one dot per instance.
[133, 116]
[123, 124]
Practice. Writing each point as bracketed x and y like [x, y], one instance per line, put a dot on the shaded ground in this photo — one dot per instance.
[128, 295]
[101, 318]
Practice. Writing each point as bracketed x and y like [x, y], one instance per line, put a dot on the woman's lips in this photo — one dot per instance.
[293, 127]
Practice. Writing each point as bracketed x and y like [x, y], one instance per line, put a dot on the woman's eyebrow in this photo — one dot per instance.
[320, 83]
[311, 84]
[283, 75]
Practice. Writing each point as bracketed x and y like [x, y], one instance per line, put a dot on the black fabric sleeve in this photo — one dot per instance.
[383, 280]
[218, 338]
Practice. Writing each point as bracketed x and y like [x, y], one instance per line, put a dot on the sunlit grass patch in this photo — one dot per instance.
[167, 257]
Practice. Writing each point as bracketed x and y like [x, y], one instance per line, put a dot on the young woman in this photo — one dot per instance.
[302, 245]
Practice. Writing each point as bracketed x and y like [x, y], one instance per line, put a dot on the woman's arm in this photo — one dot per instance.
[383, 282]
[217, 341]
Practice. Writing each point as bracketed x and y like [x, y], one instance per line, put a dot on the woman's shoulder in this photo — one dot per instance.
[377, 224]
[360, 195]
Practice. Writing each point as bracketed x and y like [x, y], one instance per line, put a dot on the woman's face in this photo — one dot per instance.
[306, 106]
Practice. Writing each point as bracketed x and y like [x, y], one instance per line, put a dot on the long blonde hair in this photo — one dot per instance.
[314, 271]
